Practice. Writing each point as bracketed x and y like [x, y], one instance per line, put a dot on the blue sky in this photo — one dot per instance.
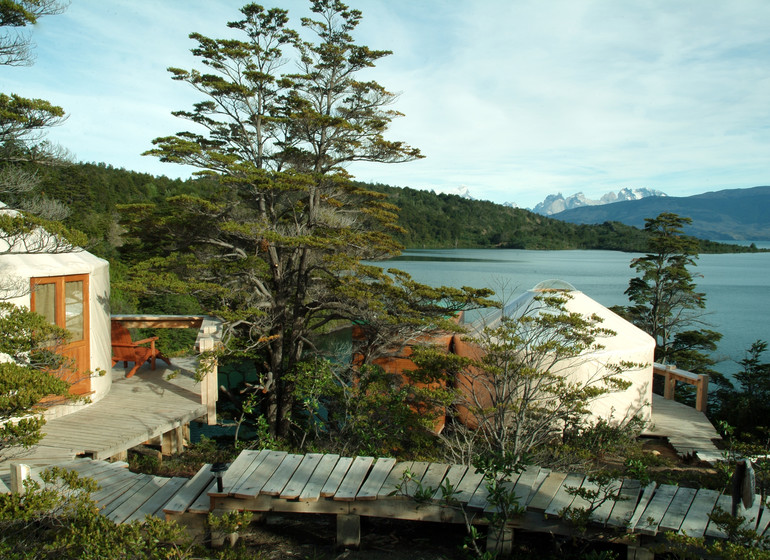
[515, 99]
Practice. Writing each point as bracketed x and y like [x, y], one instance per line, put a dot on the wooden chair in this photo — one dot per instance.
[126, 350]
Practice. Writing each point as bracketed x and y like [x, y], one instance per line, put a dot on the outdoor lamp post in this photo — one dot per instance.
[218, 470]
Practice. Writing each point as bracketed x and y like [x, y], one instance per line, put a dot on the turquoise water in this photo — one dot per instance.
[737, 286]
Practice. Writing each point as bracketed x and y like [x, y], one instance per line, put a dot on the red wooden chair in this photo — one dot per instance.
[126, 350]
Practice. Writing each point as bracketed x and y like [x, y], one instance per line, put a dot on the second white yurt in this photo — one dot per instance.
[626, 345]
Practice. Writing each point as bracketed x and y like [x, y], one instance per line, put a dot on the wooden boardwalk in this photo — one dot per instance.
[143, 407]
[350, 487]
[688, 431]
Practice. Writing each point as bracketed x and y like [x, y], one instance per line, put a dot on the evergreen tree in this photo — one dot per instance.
[665, 302]
[744, 401]
[274, 255]
[23, 121]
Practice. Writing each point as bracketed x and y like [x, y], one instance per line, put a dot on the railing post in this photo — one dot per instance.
[702, 394]
[19, 473]
[210, 388]
[669, 384]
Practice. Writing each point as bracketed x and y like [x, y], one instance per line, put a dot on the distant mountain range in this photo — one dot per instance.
[462, 191]
[732, 214]
[556, 203]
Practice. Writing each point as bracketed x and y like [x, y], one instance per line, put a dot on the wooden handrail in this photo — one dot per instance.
[671, 375]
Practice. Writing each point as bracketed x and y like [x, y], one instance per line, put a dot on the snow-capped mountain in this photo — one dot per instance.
[462, 191]
[555, 203]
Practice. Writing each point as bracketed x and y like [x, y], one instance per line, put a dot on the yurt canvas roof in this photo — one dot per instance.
[627, 338]
[17, 260]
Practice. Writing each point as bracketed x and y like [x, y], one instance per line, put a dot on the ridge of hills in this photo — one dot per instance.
[435, 221]
[729, 214]
[430, 220]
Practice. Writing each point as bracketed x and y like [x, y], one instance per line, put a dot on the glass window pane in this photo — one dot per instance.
[45, 301]
[73, 309]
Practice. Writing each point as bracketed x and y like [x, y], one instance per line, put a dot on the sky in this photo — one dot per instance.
[513, 99]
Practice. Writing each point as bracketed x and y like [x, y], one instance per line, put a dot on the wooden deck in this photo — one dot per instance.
[688, 431]
[350, 487]
[143, 407]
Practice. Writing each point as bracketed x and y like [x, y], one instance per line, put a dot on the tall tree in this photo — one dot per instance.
[274, 255]
[15, 47]
[743, 401]
[23, 121]
[664, 300]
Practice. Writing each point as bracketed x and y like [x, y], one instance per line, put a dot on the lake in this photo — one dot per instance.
[737, 286]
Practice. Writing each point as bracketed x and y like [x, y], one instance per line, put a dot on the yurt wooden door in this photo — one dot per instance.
[63, 300]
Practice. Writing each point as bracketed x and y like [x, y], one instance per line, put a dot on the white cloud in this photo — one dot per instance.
[515, 98]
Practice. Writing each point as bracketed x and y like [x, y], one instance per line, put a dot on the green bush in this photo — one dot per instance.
[58, 519]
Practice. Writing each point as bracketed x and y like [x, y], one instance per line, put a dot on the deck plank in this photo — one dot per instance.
[713, 530]
[525, 484]
[563, 499]
[624, 508]
[137, 499]
[312, 490]
[479, 498]
[695, 521]
[248, 471]
[335, 478]
[417, 472]
[644, 500]
[110, 505]
[468, 485]
[545, 494]
[379, 473]
[251, 486]
[301, 476]
[395, 480]
[764, 519]
[450, 482]
[602, 513]
[237, 468]
[677, 510]
[656, 509]
[579, 501]
[281, 476]
[187, 494]
[112, 493]
[202, 503]
[154, 504]
[507, 486]
[542, 475]
[353, 479]
[108, 485]
[432, 478]
[85, 467]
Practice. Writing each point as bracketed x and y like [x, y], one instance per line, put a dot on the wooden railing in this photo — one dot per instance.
[671, 375]
[209, 334]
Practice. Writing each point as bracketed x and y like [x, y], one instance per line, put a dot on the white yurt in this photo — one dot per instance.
[628, 344]
[71, 288]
